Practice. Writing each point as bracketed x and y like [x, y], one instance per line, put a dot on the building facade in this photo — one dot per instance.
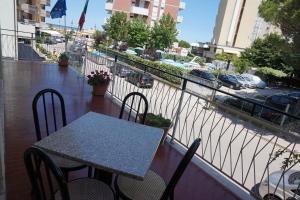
[150, 10]
[33, 12]
[238, 24]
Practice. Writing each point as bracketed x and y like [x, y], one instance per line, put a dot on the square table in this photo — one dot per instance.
[106, 143]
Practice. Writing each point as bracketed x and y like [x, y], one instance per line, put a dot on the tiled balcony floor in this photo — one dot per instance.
[22, 80]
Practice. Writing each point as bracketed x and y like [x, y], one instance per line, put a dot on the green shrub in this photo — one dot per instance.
[157, 121]
[154, 66]
[270, 74]
[223, 72]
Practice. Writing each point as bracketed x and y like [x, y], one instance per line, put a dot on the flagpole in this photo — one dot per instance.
[66, 38]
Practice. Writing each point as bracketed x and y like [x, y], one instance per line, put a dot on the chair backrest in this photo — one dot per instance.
[169, 192]
[44, 175]
[42, 94]
[135, 105]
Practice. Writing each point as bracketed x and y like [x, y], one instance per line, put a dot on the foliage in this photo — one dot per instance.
[225, 57]
[184, 44]
[99, 37]
[284, 14]
[241, 65]
[268, 74]
[138, 33]
[98, 77]
[63, 57]
[116, 27]
[157, 121]
[151, 66]
[164, 33]
[177, 57]
[272, 51]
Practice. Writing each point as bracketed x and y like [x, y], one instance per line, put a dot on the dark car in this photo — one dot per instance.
[206, 78]
[280, 102]
[230, 82]
[140, 79]
[122, 71]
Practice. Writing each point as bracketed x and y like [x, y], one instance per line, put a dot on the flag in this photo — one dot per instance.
[82, 17]
[59, 9]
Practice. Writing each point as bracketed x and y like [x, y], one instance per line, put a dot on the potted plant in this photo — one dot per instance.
[160, 122]
[100, 81]
[63, 60]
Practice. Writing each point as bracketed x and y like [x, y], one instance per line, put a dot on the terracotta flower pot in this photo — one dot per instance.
[63, 63]
[99, 90]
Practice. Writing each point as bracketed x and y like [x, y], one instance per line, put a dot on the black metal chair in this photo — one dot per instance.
[45, 177]
[153, 186]
[138, 97]
[65, 164]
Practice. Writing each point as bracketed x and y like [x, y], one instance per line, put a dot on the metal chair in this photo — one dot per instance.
[138, 97]
[153, 186]
[65, 164]
[46, 178]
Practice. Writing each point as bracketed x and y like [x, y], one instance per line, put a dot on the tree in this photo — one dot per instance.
[116, 27]
[138, 33]
[184, 44]
[99, 37]
[272, 51]
[225, 56]
[241, 65]
[164, 33]
[284, 14]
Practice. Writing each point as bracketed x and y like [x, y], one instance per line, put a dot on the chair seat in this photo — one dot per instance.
[88, 189]
[151, 188]
[64, 162]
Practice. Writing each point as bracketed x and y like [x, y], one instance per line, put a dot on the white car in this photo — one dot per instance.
[287, 189]
[255, 80]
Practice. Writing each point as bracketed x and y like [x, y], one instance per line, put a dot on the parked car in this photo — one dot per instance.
[239, 80]
[140, 79]
[244, 82]
[229, 81]
[121, 70]
[280, 102]
[287, 188]
[255, 80]
[206, 78]
[244, 105]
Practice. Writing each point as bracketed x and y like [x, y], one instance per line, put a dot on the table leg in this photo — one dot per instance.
[104, 176]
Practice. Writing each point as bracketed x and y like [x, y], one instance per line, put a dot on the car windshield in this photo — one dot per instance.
[294, 178]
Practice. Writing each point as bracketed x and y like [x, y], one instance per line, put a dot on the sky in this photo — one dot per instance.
[197, 26]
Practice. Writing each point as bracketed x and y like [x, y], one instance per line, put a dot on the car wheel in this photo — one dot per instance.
[271, 197]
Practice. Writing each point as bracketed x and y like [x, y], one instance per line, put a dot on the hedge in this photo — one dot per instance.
[268, 74]
[152, 67]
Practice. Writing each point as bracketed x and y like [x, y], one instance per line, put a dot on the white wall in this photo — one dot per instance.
[7, 21]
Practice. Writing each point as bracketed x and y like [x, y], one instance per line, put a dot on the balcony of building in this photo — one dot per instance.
[28, 8]
[179, 19]
[109, 5]
[45, 2]
[235, 155]
[139, 10]
[182, 5]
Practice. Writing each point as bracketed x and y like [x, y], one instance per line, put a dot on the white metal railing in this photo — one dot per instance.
[139, 10]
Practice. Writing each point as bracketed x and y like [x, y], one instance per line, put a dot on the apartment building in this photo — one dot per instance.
[238, 24]
[33, 12]
[150, 10]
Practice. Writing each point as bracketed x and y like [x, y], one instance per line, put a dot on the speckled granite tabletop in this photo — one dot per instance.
[107, 143]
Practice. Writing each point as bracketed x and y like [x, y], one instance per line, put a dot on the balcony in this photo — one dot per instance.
[44, 13]
[182, 5]
[236, 149]
[179, 19]
[27, 8]
[45, 2]
[139, 10]
[108, 6]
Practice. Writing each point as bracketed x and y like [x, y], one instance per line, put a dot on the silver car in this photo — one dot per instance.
[287, 189]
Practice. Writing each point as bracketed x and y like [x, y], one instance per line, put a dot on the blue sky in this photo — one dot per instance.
[198, 23]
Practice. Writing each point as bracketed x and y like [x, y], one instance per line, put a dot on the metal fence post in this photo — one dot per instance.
[0, 45]
[114, 75]
[179, 109]
[32, 50]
